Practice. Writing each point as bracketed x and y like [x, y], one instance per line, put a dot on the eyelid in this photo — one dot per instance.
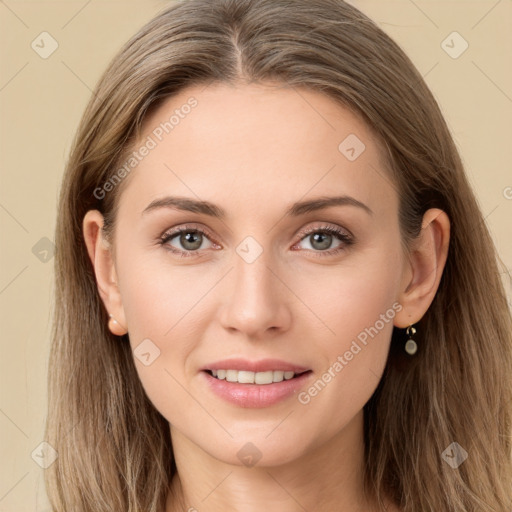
[188, 226]
[325, 227]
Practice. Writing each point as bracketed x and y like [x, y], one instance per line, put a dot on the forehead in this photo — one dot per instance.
[253, 146]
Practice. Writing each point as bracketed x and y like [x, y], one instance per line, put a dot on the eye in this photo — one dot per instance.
[190, 240]
[321, 238]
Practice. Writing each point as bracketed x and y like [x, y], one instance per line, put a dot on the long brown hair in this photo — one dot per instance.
[114, 449]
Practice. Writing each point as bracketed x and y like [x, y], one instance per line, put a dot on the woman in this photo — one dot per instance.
[275, 286]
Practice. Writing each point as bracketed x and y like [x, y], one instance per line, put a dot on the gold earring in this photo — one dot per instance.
[410, 345]
[115, 327]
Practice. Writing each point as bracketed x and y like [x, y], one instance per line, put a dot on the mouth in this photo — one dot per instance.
[258, 378]
[255, 383]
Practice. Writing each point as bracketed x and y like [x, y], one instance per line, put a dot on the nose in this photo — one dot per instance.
[257, 302]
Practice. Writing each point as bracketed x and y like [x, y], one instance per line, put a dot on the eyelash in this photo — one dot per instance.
[340, 234]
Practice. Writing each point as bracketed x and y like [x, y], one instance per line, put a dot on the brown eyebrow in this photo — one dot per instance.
[302, 207]
[188, 205]
[212, 210]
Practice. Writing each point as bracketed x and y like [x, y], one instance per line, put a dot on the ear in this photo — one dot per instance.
[100, 253]
[424, 268]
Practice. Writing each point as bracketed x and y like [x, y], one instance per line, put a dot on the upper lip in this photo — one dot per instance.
[263, 365]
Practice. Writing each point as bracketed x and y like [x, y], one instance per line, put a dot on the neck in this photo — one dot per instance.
[330, 477]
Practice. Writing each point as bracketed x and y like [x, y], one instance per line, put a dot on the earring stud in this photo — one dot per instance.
[115, 327]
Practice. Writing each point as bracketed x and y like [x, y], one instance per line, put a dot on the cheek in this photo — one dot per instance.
[357, 310]
[160, 311]
[348, 298]
[166, 314]
[159, 294]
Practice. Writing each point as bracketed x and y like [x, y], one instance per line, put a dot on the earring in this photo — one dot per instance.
[410, 345]
[115, 327]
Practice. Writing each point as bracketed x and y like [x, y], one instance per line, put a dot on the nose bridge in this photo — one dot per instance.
[255, 300]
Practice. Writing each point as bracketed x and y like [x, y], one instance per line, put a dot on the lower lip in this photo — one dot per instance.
[256, 395]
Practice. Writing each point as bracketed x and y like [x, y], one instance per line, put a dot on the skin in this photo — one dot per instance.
[253, 150]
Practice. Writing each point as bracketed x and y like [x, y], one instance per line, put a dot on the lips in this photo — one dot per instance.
[255, 395]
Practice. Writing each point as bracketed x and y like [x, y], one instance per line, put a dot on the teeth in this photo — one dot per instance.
[245, 377]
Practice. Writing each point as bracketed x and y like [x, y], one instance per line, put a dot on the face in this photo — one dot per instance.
[253, 279]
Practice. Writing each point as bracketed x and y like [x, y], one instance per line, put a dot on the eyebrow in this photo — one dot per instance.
[212, 210]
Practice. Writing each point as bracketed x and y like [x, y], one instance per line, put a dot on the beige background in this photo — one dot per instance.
[41, 101]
